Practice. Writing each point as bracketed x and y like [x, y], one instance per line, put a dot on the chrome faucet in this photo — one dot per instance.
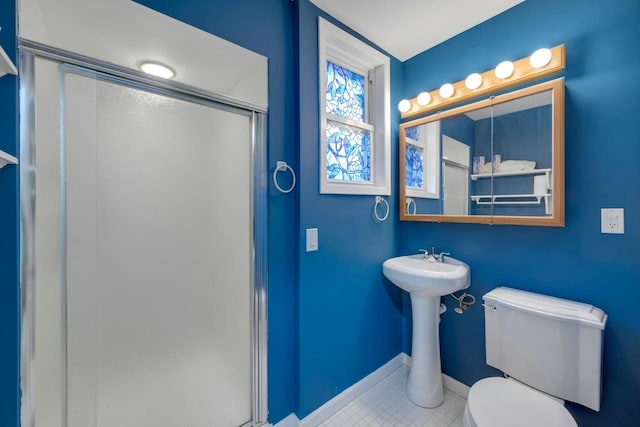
[433, 256]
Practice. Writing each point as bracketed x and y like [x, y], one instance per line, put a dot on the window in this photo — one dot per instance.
[421, 155]
[354, 115]
[414, 158]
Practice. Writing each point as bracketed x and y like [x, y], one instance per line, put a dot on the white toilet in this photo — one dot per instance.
[551, 351]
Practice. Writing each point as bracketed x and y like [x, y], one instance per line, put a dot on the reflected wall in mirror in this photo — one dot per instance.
[496, 161]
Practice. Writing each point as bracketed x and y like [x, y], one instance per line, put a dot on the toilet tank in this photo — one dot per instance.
[552, 344]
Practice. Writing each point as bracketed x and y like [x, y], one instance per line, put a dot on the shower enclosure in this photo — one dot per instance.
[143, 253]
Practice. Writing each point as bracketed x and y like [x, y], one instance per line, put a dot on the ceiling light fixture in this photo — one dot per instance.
[157, 69]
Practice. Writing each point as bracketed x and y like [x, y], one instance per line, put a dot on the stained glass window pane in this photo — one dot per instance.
[413, 133]
[414, 170]
[345, 93]
[348, 153]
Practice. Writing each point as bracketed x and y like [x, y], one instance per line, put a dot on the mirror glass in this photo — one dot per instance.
[499, 160]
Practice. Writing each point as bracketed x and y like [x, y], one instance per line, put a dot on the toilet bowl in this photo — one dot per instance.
[501, 402]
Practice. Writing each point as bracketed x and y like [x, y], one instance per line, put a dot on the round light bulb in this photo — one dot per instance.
[446, 90]
[404, 105]
[540, 58]
[157, 69]
[424, 98]
[504, 69]
[473, 81]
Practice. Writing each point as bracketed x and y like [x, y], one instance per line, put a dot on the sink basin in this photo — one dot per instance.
[426, 280]
[427, 277]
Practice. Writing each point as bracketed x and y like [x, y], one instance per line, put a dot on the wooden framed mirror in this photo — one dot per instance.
[499, 160]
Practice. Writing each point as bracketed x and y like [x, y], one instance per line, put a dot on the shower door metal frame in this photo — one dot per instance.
[78, 64]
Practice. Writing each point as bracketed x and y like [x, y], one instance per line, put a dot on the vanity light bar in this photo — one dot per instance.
[523, 72]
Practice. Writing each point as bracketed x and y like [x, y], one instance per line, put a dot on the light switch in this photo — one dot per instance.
[312, 239]
[612, 220]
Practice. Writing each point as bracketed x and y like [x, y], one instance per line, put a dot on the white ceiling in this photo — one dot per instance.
[405, 28]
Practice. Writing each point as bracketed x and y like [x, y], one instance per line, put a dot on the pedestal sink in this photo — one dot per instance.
[426, 279]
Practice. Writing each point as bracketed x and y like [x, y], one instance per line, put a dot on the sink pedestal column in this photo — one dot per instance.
[424, 386]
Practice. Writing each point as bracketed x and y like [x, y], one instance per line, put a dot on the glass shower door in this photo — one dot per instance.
[151, 291]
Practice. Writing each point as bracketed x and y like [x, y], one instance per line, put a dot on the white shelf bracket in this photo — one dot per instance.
[7, 159]
[6, 65]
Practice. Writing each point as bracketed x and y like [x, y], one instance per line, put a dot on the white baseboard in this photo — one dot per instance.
[290, 421]
[350, 394]
[406, 359]
[359, 388]
[455, 386]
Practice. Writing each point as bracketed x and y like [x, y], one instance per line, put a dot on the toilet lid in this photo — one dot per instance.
[498, 402]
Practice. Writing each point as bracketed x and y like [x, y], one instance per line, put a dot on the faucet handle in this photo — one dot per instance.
[425, 252]
[441, 256]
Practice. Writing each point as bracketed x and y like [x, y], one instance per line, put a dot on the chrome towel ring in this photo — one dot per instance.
[380, 200]
[282, 167]
[410, 202]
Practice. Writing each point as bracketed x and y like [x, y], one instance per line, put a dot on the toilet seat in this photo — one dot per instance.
[499, 402]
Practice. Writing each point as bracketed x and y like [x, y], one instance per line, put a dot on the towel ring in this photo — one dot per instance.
[280, 167]
[379, 200]
[410, 202]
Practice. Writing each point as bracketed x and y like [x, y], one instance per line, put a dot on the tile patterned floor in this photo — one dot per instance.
[386, 404]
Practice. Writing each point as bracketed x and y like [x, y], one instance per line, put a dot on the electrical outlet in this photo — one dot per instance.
[612, 220]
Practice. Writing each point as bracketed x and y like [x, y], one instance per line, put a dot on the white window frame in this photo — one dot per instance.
[343, 49]
[430, 144]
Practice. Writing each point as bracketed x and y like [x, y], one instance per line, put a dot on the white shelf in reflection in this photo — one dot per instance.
[494, 199]
[514, 173]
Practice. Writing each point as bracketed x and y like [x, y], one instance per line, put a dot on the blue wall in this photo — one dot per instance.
[349, 315]
[9, 247]
[602, 152]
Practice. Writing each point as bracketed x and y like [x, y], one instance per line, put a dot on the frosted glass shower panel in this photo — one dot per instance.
[158, 259]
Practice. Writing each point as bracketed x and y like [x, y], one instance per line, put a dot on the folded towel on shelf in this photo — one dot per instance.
[486, 168]
[517, 165]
